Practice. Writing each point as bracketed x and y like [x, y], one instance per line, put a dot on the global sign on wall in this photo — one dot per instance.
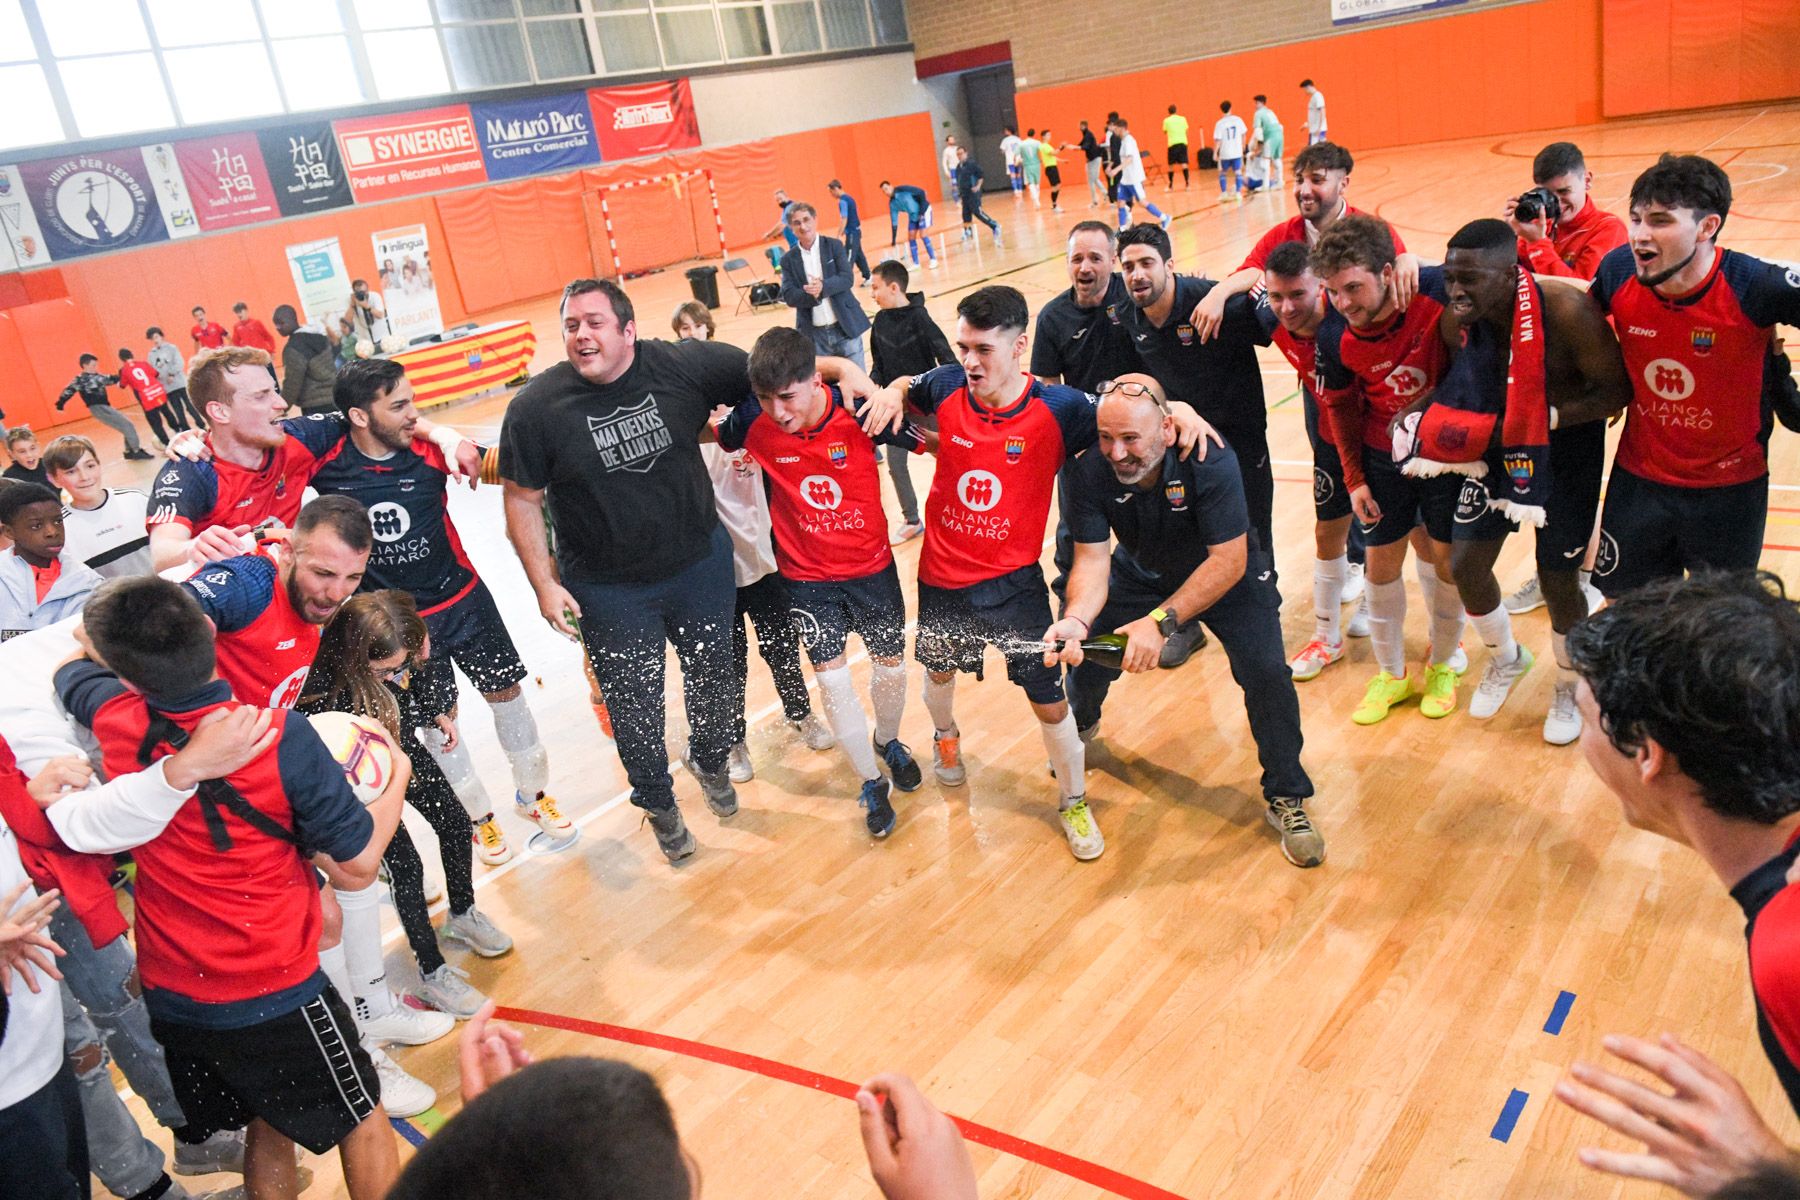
[406, 154]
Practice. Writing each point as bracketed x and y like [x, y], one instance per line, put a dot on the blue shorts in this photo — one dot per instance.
[1128, 193]
[1230, 164]
[1654, 530]
[956, 625]
[1331, 499]
[827, 612]
[471, 635]
[1406, 501]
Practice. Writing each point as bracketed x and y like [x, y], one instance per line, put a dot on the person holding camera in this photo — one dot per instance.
[367, 312]
[1561, 231]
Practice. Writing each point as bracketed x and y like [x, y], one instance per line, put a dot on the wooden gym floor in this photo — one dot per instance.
[1189, 1015]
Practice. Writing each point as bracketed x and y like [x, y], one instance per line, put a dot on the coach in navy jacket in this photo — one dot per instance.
[817, 284]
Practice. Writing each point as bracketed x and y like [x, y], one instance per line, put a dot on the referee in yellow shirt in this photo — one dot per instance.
[1175, 128]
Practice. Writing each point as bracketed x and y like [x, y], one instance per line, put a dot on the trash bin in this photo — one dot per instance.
[704, 283]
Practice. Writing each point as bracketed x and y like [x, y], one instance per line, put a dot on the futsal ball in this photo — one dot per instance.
[362, 747]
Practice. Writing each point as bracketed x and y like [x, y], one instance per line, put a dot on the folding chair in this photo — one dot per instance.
[756, 292]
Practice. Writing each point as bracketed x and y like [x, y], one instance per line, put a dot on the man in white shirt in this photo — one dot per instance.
[1129, 175]
[1228, 138]
[1009, 150]
[104, 526]
[816, 282]
[1315, 112]
[947, 160]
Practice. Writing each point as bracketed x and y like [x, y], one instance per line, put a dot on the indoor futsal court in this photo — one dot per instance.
[1189, 1015]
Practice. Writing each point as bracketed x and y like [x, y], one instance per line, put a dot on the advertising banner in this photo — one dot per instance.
[647, 118]
[178, 214]
[536, 136]
[406, 154]
[226, 181]
[304, 165]
[1344, 12]
[86, 203]
[403, 258]
[320, 280]
[21, 241]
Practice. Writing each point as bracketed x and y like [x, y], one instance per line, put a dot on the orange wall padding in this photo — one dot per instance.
[491, 246]
[1537, 66]
[1668, 55]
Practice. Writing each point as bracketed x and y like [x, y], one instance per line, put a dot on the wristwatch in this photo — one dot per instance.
[1166, 621]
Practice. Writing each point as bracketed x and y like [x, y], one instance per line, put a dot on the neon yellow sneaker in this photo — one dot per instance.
[1383, 693]
[1439, 690]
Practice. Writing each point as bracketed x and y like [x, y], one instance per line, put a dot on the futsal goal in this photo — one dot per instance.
[648, 223]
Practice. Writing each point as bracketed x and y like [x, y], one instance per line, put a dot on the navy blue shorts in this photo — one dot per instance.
[956, 625]
[1577, 459]
[471, 635]
[827, 612]
[1406, 501]
[1331, 499]
[1658, 531]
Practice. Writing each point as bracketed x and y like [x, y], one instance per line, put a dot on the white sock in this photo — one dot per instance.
[940, 703]
[1447, 617]
[887, 693]
[1387, 625]
[331, 961]
[1068, 756]
[459, 769]
[1584, 579]
[518, 733]
[843, 712]
[362, 948]
[1496, 632]
[1329, 578]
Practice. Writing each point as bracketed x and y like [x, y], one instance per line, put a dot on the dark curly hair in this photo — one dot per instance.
[1709, 668]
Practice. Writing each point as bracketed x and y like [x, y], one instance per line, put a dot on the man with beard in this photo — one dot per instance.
[1187, 529]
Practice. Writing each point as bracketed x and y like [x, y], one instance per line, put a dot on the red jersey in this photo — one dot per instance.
[252, 332]
[1297, 229]
[145, 383]
[996, 471]
[1696, 365]
[200, 495]
[825, 502]
[209, 336]
[1577, 245]
[1364, 379]
[265, 647]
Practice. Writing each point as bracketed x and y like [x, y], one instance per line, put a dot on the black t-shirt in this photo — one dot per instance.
[1086, 346]
[1220, 378]
[627, 488]
[1168, 528]
[39, 474]
[1090, 145]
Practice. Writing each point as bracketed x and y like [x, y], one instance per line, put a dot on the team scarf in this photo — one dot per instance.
[1454, 431]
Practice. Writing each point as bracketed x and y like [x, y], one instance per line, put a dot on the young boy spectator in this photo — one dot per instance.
[228, 916]
[91, 386]
[906, 341]
[27, 457]
[171, 368]
[146, 384]
[104, 526]
[38, 585]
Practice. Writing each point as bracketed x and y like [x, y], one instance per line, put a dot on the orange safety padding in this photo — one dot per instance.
[40, 350]
[472, 241]
[1672, 55]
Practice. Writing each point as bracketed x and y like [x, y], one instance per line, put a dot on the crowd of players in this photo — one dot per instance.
[661, 492]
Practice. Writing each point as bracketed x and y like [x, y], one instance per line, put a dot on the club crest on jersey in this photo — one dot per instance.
[1185, 333]
[1015, 449]
[1112, 313]
[1519, 469]
[1702, 341]
[1176, 491]
[840, 454]
[281, 486]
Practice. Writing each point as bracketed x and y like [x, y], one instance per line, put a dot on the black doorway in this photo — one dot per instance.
[988, 94]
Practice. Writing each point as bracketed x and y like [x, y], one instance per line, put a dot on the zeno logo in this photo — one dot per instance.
[1668, 379]
[822, 492]
[979, 490]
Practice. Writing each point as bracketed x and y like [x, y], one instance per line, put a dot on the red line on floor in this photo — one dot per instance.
[982, 1135]
[1773, 546]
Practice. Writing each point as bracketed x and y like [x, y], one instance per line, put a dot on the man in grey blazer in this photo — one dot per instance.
[817, 283]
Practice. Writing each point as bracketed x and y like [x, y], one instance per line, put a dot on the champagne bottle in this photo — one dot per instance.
[1105, 650]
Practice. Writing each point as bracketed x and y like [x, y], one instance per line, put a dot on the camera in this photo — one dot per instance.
[1540, 203]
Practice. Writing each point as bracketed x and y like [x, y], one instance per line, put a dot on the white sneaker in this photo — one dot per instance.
[1562, 724]
[1595, 601]
[738, 765]
[907, 532]
[402, 1094]
[1358, 624]
[448, 990]
[474, 930]
[1354, 585]
[1459, 661]
[402, 1024]
[1497, 684]
[1529, 596]
[1083, 832]
[1313, 658]
[221, 1153]
[814, 732]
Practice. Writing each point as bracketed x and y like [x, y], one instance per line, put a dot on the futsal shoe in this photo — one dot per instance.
[1562, 724]
[490, 841]
[448, 990]
[878, 814]
[738, 765]
[1358, 624]
[1497, 684]
[997, 244]
[1301, 844]
[715, 787]
[1528, 597]
[543, 813]
[671, 832]
[1166, 221]
[946, 759]
[900, 764]
[1083, 832]
[474, 930]
[1384, 691]
[1459, 661]
[814, 732]
[1353, 585]
[1315, 657]
[221, 1153]
[402, 1094]
[401, 1024]
[1178, 649]
[1439, 693]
